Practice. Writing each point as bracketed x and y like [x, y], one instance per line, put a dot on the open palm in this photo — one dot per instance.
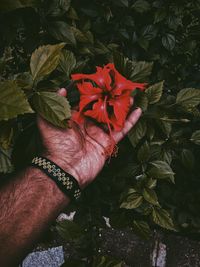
[80, 150]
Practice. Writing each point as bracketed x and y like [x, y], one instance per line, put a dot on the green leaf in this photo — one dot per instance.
[100, 49]
[133, 70]
[149, 32]
[188, 96]
[127, 193]
[138, 132]
[174, 22]
[130, 170]
[122, 3]
[130, 191]
[141, 70]
[141, 6]
[13, 101]
[5, 161]
[156, 150]
[62, 31]
[187, 159]
[57, 8]
[24, 80]
[196, 137]
[165, 127]
[44, 60]
[80, 65]
[169, 41]
[74, 263]
[162, 218]
[69, 230]
[150, 132]
[105, 261]
[150, 196]
[72, 14]
[151, 183]
[8, 5]
[67, 62]
[144, 43]
[160, 15]
[154, 92]
[81, 37]
[144, 152]
[53, 107]
[166, 169]
[141, 101]
[6, 135]
[166, 155]
[86, 51]
[132, 201]
[142, 229]
[123, 64]
[129, 21]
[160, 170]
[91, 12]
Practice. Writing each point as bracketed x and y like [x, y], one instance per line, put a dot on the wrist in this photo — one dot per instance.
[42, 183]
[67, 167]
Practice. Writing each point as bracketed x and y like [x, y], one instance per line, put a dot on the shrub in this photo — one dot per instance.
[155, 178]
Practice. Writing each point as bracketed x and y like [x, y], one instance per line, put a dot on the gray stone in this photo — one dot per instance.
[53, 257]
[163, 249]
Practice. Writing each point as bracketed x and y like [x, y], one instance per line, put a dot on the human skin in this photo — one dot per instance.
[31, 201]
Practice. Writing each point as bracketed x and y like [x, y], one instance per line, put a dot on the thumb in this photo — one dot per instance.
[62, 92]
[129, 123]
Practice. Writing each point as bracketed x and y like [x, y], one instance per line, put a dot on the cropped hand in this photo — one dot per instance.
[80, 150]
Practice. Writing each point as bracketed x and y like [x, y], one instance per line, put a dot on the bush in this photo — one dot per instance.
[155, 178]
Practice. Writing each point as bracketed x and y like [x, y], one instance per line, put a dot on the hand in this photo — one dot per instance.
[80, 151]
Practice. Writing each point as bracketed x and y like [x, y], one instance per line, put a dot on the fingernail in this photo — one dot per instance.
[139, 109]
[62, 91]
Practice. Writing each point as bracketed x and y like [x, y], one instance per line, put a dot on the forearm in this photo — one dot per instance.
[28, 204]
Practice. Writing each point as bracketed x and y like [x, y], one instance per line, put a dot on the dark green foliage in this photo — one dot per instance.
[155, 178]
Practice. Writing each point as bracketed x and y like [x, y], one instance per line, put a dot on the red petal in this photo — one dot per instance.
[86, 88]
[77, 117]
[115, 124]
[121, 83]
[99, 112]
[101, 77]
[88, 94]
[121, 106]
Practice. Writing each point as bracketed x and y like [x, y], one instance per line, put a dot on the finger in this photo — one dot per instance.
[130, 122]
[62, 92]
[105, 127]
[76, 108]
[131, 101]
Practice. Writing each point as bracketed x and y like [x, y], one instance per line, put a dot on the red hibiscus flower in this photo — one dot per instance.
[105, 96]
